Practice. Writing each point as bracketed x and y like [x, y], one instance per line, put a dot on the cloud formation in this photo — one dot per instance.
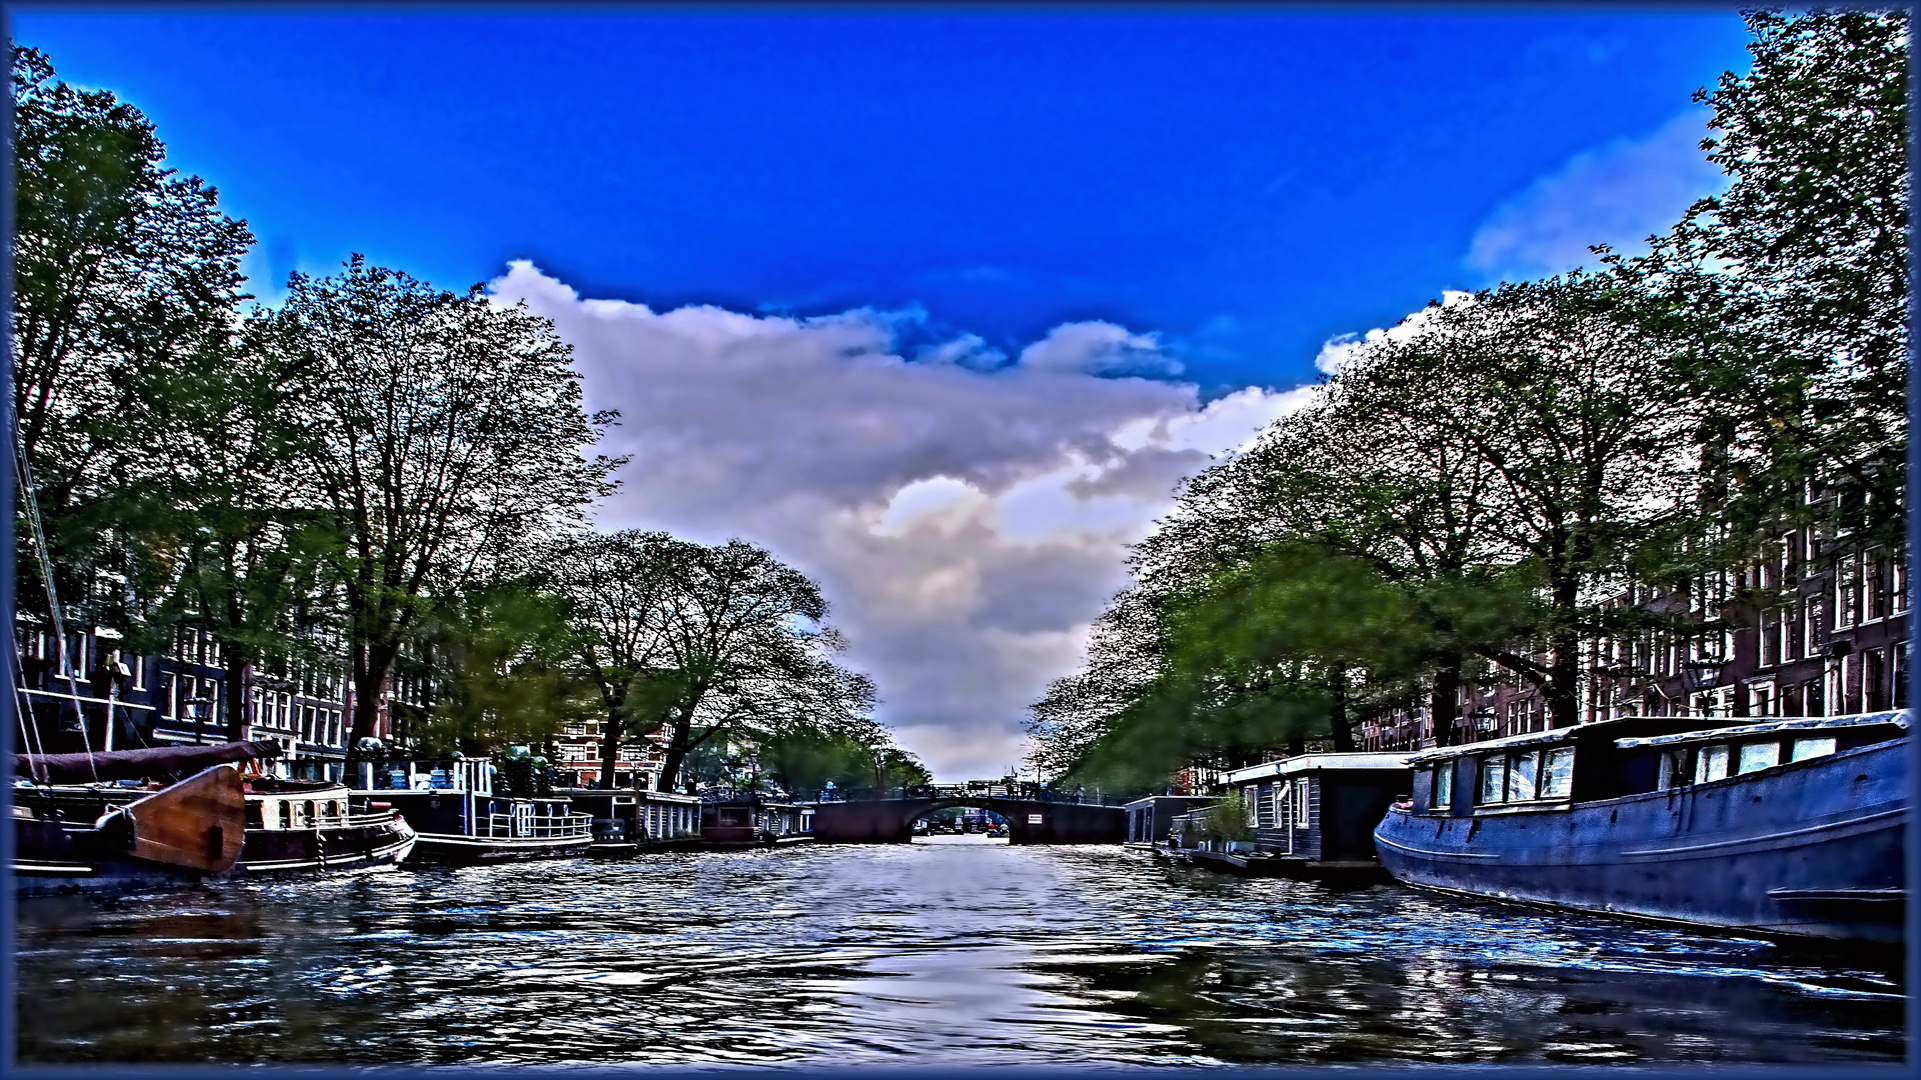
[966, 516]
[1618, 194]
[1339, 349]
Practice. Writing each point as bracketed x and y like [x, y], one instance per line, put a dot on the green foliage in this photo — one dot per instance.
[1481, 485]
[126, 290]
[1229, 819]
[501, 674]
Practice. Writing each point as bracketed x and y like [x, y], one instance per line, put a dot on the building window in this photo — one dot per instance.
[1301, 817]
[1847, 590]
[1898, 654]
[1874, 680]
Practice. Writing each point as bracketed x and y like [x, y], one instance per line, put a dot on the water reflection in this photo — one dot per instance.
[957, 952]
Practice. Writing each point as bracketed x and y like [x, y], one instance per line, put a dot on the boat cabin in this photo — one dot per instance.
[458, 814]
[1321, 808]
[751, 820]
[634, 816]
[1151, 820]
[276, 804]
[1630, 756]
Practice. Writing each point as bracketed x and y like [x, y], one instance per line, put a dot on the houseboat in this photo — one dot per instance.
[1150, 821]
[749, 821]
[629, 821]
[1313, 815]
[1788, 827]
[298, 826]
[85, 821]
[458, 817]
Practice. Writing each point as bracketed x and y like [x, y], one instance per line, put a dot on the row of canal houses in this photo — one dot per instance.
[85, 691]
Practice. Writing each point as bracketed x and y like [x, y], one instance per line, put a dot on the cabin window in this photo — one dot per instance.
[1522, 771]
[1300, 804]
[286, 814]
[1444, 786]
[1712, 764]
[310, 810]
[1557, 778]
[1673, 770]
[1807, 748]
[1758, 756]
[1493, 778]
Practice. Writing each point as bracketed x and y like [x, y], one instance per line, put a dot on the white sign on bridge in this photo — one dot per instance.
[1033, 819]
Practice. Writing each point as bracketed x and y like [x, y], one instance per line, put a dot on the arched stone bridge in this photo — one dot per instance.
[891, 821]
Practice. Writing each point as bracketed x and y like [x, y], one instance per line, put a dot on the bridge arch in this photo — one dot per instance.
[935, 806]
[890, 821]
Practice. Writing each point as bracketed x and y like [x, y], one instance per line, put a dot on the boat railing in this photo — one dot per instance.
[537, 827]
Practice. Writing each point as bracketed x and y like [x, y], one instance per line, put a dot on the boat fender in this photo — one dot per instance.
[116, 826]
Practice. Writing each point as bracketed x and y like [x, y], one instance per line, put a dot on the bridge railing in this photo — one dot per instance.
[1029, 792]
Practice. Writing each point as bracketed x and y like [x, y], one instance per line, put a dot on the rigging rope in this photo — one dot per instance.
[30, 495]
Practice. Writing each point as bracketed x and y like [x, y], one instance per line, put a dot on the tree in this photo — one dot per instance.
[1788, 294]
[617, 586]
[248, 562]
[1562, 393]
[501, 658]
[450, 433]
[744, 648]
[126, 289]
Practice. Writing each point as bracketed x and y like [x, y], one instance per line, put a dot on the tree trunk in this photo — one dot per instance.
[239, 689]
[372, 663]
[1564, 688]
[1444, 705]
[677, 750]
[610, 745]
[1337, 721]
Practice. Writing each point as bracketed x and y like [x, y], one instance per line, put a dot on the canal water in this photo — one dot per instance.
[950, 951]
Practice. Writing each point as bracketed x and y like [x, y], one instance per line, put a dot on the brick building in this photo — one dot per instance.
[1831, 639]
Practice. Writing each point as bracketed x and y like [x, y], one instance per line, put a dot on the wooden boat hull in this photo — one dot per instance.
[1809, 849]
[180, 834]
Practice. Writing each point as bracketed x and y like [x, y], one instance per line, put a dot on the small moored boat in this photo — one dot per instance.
[296, 826]
[1788, 827]
[459, 818]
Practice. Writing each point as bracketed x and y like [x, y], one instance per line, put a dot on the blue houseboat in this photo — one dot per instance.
[457, 817]
[1782, 828]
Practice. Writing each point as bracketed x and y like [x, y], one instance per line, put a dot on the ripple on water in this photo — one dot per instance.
[949, 953]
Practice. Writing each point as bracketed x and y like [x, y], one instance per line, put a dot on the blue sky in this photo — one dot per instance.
[1245, 184]
[940, 306]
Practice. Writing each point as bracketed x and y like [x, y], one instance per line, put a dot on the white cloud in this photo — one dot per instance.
[1098, 348]
[1618, 194]
[967, 522]
[1341, 348]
